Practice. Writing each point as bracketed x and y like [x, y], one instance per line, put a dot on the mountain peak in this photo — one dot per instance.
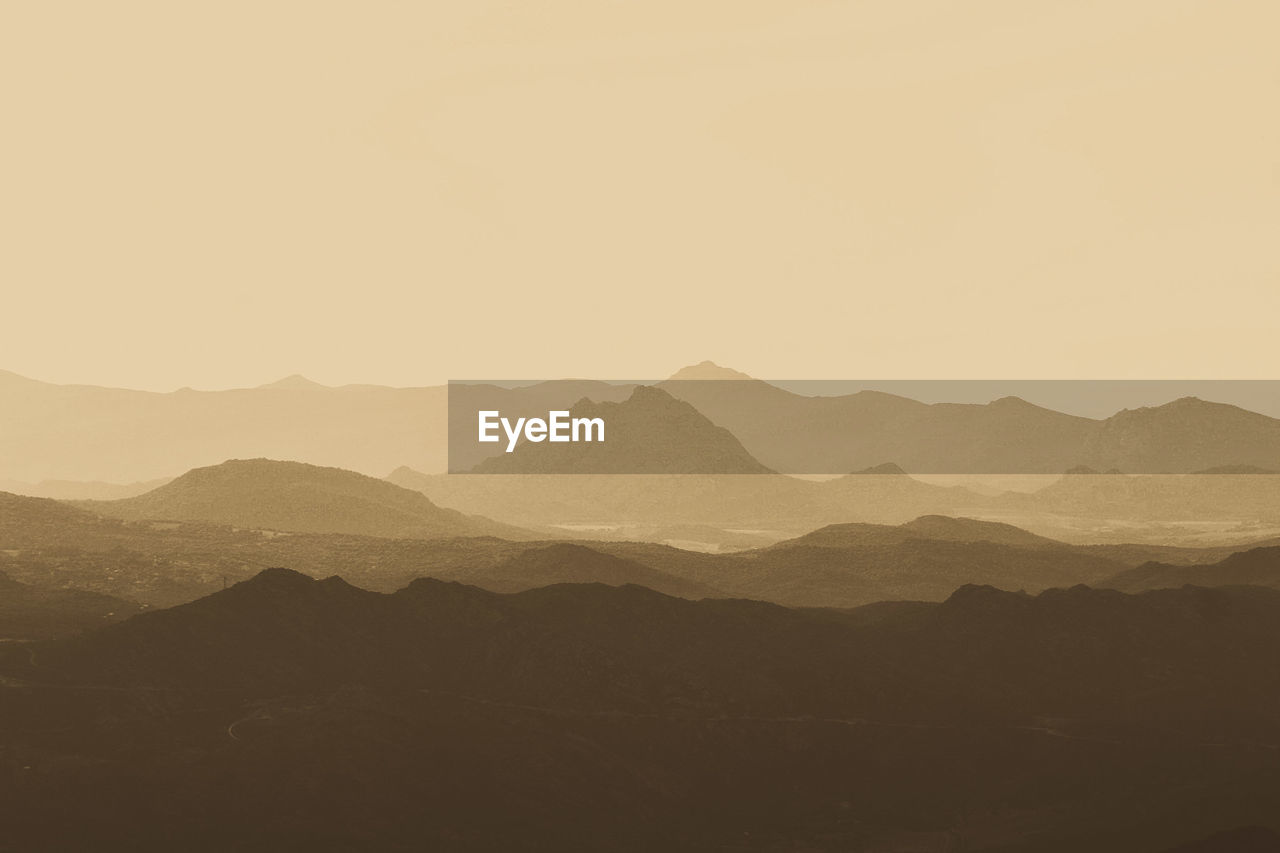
[708, 370]
[294, 382]
[884, 468]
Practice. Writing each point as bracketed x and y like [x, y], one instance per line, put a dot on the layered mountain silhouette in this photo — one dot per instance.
[1253, 567]
[831, 434]
[650, 432]
[609, 717]
[293, 496]
[86, 433]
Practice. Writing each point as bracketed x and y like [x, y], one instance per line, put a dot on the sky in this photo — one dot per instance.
[219, 195]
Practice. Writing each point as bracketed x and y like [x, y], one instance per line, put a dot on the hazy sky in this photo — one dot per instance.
[220, 194]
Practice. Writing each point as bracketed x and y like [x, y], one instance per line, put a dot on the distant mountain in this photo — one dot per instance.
[1254, 567]
[707, 370]
[292, 496]
[649, 433]
[794, 433]
[1245, 497]
[936, 527]
[34, 613]
[1185, 435]
[85, 433]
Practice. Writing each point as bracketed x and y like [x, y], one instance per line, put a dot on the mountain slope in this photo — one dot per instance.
[292, 496]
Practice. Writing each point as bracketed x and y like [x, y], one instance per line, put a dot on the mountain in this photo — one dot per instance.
[935, 527]
[649, 433]
[72, 490]
[1254, 567]
[293, 496]
[588, 718]
[707, 370]
[85, 433]
[35, 522]
[795, 433]
[1188, 434]
[565, 562]
[33, 613]
[467, 400]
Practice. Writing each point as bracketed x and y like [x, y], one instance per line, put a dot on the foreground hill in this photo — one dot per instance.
[292, 496]
[88, 433]
[584, 717]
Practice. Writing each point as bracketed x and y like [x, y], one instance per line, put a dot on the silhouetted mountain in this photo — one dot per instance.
[794, 433]
[615, 718]
[649, 433]
[1254, 567]
[73, 490]
[292, 496]
[31, 612]
[1185, 435]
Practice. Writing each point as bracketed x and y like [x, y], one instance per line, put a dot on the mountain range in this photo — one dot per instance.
[617, 718]
[650, 432]
[78, 441]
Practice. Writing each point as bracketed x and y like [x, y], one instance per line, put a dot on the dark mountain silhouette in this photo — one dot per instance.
[292, 496]
[1244, 839]
[33, 612]
[649, 433]
[587, 717]
[1254, 567]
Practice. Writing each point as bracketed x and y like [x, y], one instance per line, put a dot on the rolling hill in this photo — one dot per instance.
[293, 496]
